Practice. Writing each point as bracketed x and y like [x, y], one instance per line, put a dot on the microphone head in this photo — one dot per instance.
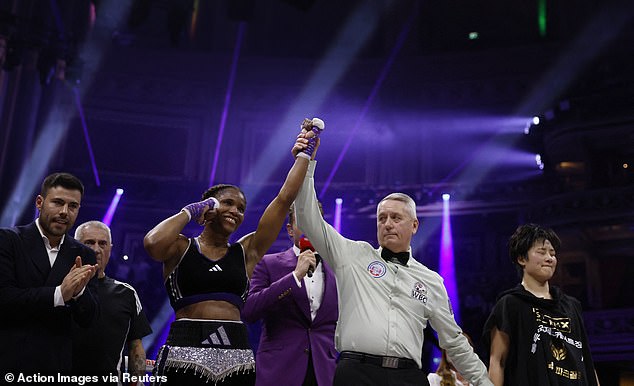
[319, 124]
[304, 245]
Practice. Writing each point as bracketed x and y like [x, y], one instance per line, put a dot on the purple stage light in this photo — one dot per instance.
[84, 126]
[160, 329]
[539, 162]
[358, 29]
[225, 108]
[446, 266]
[107, 218]
[338, 204]
[375, 90]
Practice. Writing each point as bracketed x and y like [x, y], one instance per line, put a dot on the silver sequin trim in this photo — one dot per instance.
[213, 363]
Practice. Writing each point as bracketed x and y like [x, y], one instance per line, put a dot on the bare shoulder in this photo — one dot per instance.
[176, 252]
[247, 243]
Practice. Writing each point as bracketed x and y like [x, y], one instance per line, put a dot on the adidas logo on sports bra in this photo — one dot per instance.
[215, 268]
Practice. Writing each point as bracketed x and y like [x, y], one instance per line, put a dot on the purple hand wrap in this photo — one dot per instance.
[196, 209]
[317, 128]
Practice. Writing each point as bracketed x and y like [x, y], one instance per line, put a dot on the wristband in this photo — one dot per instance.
[196, 209]
[317, 127]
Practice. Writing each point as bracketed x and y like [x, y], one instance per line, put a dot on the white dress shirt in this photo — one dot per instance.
[58, 299]
[314, 286]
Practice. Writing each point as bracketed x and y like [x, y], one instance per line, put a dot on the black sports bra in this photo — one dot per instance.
[197, 278]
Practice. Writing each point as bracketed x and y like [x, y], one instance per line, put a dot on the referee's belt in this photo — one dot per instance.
[378, 360]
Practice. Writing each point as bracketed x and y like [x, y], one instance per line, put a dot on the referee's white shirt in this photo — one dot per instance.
[384, 307]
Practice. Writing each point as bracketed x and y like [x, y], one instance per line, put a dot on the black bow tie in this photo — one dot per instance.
[395, 257]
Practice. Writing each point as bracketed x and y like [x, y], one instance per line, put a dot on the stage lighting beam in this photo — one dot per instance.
[368, 103]
[357, 30]
[84, 127]
[338, 205]
[447, 263]
[56, 124]
[605, 27]
[107, 218]
[242, 26]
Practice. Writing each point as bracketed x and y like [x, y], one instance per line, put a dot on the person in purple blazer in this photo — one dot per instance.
[294, 293]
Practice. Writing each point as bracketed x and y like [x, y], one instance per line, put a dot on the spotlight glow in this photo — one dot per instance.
[542, 17]
[445, 197]
[536, 120]
[539, 162]
[225, 108]
[80, 111]
[56, 124]
[357, 30]
[402, 37]
[107, 218]
[160, 329]
[338, 205]
[447, 266]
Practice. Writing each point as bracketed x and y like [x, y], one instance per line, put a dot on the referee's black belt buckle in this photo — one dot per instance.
[378, 360]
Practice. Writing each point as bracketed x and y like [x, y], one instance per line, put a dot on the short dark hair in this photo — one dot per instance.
[216, 189]
[65, 180]
[524, 238]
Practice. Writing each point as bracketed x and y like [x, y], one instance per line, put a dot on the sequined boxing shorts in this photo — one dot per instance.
[211, 349]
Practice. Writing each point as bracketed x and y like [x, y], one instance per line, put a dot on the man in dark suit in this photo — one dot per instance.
[299, 315]
[44, 275]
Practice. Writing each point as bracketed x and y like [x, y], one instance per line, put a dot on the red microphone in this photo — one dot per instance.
[305, 245]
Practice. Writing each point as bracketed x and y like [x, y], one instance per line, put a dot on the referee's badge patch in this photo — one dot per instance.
[377, 269]
[420, 292]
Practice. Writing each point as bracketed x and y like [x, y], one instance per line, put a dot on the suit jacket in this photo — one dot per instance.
[36, 336]
[288, 334]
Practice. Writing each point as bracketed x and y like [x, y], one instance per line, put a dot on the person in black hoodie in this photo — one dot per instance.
[535, 333]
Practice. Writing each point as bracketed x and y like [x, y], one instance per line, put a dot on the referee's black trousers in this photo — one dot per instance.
[354, 373]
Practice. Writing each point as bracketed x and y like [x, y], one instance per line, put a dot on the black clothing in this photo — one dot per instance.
[395, 257]
[548, 343]
[200, 352]
[207, 351]
[381, 361]
[36, 336]
[99, 350]
[353, 372]
[197, 278]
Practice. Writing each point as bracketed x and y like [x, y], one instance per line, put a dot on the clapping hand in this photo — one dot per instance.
[76, 279]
